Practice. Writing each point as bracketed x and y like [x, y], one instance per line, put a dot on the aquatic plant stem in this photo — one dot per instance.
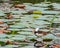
[13, 32]
[51, 22]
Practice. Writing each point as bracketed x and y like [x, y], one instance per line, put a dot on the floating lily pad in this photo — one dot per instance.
[3, 35]
[17, 26]
[28, 47]
[13, 29]
[41, 22]
[11, 46]
[49, 36]
[19, 38]
[2, 13]
[26, 33]
[32, 37]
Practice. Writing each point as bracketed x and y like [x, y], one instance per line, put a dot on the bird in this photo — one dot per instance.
[38, 32]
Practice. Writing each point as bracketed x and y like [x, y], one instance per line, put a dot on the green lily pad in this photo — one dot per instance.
[32, 37]
[17, 26]
[26, 33]
[28, 47]
[3, 35]
[11, 46]
[19, 37]
[49, 36]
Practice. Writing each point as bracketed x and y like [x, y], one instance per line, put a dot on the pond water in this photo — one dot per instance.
[17, 24]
